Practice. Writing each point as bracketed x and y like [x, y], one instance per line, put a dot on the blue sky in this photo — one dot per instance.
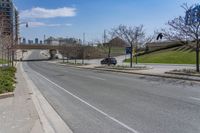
[71, 18]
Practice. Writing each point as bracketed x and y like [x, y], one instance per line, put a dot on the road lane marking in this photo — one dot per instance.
[93, 107]
[94, 77]
[194, 98]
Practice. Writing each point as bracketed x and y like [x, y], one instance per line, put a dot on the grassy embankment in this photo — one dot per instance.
[7, 79]
[169, 56]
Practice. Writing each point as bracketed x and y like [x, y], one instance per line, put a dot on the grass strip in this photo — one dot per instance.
[7, 79]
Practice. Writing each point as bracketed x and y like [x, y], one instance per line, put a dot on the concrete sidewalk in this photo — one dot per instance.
[149, 72]
[18, 114]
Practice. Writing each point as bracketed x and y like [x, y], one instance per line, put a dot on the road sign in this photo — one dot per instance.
[193, 16]
[128, 50]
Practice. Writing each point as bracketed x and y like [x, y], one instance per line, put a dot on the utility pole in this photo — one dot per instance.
[44, 38]
[83, 43]
[104, 37]
[109, 47]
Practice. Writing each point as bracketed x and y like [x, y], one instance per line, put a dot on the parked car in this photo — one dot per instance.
[111, 61]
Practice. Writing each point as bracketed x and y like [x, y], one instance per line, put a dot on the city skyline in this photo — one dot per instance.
[72, 18]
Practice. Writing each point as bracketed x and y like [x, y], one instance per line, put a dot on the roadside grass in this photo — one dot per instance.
[168, 57]
[7, 79]
[3, 61]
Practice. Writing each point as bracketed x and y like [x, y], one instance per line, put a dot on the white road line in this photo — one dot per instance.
[93, 107]
[93, 77]
[194, 98]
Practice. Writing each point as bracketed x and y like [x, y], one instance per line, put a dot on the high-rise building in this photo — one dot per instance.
[9, 20]
[36, 41]
[24, 41]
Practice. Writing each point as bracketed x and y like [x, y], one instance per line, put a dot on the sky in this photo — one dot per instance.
[72, 18]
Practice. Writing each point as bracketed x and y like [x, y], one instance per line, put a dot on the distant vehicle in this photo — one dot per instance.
[24, 51]
[111, 61]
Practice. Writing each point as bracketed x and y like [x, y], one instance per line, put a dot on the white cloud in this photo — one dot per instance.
[39, 12]
[41, 24]
[68, 24]
[36, 24]
[53, 25]
[57, 25]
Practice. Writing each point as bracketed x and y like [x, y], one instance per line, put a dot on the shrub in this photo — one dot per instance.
[7, 79]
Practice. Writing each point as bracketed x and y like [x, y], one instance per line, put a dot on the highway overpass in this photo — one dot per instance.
[35, 47]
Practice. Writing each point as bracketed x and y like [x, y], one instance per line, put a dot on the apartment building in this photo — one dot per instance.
[9, 18]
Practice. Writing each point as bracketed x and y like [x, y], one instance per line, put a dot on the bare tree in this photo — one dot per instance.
[70, 51]
[132, 35]
[177, 31]
[6, 44]
[6, 39]
[2, 39]
[111, 36]
[186, 28]
[147, 41]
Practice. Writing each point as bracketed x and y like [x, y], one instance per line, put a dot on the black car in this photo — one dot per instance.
[111, 61]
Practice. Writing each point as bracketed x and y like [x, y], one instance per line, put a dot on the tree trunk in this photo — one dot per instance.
[67, 58]
[63, 57]
[109, 53]
[136, 56]
[2, 56]
[13, 57]
[197, 56]
[83, 55]
[131, 63]
[8, 56]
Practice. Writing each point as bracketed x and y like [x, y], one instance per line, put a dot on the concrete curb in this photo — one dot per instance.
[145, 74]
[6, 95]
[183, 74]
[49, 119]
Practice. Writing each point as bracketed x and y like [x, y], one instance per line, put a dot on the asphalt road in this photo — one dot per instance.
[105, 102]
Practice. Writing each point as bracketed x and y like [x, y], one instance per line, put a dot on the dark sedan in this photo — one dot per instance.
[107, 61]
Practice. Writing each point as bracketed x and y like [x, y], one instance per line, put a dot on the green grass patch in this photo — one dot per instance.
[168, 57]
[3, 61]
[7, 79]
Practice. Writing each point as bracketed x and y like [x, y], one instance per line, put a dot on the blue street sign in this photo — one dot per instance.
[193, 16]
[128, 50]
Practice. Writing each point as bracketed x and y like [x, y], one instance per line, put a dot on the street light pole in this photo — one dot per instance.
[109, 47]
[83, 54]
[16, 39]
